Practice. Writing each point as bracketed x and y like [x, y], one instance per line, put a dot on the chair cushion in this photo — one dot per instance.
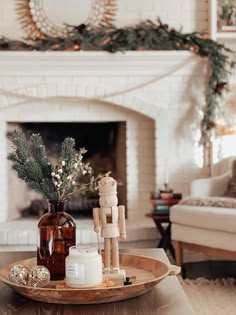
[209, 218]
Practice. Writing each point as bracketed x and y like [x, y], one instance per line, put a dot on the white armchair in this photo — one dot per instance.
[213, 186]
[206, 221]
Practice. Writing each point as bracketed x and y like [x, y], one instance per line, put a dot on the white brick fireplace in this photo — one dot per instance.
[157, 95]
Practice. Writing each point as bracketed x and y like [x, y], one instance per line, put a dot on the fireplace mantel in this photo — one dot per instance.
[144, 63]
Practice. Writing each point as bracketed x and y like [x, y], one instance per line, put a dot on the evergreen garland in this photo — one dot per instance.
[54, 182]
[146, 35]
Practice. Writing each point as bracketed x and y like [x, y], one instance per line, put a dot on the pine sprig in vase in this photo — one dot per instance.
[57, 229]
[55, 182]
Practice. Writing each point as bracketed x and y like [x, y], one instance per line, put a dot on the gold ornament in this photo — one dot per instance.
[19, 274]
[39, 277]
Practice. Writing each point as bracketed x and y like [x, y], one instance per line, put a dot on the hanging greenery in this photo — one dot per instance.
[146, 35]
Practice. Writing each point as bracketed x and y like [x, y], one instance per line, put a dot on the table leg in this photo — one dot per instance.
[165, 241]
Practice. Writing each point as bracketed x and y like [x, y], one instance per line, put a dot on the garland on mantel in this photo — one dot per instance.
[146, 35]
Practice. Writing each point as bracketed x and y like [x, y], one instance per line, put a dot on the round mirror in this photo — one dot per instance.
[75, 12]
[41, 18]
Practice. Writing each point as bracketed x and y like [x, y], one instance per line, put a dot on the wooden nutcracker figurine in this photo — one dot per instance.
[110, 220]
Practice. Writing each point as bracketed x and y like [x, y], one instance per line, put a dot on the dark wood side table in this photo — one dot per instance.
[166, 298]
[164, 230]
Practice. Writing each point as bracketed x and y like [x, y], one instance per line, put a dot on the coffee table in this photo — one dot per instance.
[166, 298]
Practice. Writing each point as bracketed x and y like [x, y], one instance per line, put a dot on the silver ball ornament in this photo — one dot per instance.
[19, 274]
[39, 277]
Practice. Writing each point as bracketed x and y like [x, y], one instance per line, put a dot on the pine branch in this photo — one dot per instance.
[68, 151]
[20, 146]
[38, 152]
[49, 190]
[58, 182]
[31, 164]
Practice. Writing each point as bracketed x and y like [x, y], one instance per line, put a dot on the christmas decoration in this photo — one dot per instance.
[57, 229]
[19, 274]
[110, 221]
[39, 277]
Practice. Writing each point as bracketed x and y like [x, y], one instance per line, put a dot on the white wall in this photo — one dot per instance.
[190, 14]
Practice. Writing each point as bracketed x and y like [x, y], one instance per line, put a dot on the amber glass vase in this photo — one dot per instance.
[57, 232]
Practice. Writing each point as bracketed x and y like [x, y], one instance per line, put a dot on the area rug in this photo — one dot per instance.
[211, 297]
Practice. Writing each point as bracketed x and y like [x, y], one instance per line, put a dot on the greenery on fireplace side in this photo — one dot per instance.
[147, 35]
[55, 182]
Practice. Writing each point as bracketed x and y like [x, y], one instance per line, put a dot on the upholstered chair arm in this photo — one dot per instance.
[212, 186]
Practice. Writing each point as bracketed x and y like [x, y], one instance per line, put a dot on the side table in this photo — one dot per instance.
[165, 231]
[162, 202]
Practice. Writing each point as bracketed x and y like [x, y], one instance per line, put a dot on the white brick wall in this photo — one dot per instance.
[191, 15]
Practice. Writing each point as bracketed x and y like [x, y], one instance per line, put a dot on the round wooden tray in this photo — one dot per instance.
[148, 273]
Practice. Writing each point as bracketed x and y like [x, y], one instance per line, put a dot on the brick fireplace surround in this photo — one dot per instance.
[157, 94]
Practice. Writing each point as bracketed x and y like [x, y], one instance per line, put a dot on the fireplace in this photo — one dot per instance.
[105, 145]
[149, 95]
[131, 138]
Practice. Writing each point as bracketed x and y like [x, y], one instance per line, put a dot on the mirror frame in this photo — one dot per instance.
[36, 24]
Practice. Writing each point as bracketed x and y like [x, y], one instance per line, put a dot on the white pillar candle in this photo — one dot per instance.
[83, 267]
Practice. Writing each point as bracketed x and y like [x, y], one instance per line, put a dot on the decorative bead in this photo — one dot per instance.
[39, 276]
[19, 274]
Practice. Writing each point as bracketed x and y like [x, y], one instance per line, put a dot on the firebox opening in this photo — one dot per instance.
[106, 151]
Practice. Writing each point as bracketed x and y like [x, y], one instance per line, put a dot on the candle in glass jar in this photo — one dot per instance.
[83, 267]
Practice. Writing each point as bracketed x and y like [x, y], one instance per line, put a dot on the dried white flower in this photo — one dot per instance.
[53, 174]
[63, 163]
[75, 165]
[60, 170]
